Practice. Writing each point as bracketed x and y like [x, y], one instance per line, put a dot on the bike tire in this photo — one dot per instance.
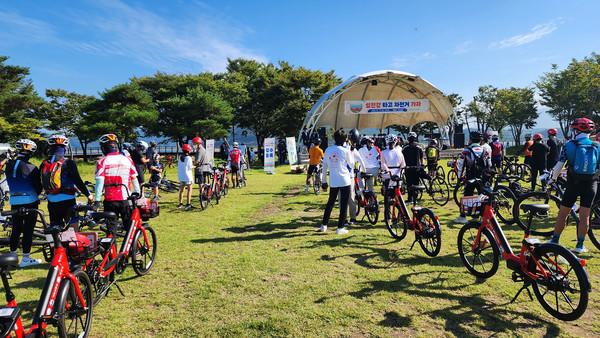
[459, 192]
[393, 220]
[563, 289]
[504, 206]
[204, 196]
[74, 318]
[525, 172]
[452, 178]
[316, 184]
[440, 172]
[372, 208]
[430, 237]
[484, 260]
[439, 191]
[357, 197]
[594, 227]
[540, 226]
[225, 188]
[145, 251]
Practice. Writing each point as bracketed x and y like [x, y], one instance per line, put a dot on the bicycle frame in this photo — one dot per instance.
[401, 205]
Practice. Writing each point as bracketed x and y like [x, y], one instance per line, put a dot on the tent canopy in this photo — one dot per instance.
[379, 85]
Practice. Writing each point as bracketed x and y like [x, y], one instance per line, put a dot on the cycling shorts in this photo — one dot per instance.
[234, 168]
[586, 190]
[312, 168]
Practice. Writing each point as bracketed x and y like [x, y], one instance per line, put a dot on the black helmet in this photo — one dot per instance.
[475, 136]
[153, 143]
[317, 141]
[354, 136]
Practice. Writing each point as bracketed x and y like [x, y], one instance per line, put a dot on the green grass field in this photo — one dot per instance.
[253, 265]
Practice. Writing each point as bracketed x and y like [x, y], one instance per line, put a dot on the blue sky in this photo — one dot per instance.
[88, 46]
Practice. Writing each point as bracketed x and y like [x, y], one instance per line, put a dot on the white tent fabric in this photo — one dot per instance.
[379, 85]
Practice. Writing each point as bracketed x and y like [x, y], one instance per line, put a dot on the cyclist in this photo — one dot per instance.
[356, 163]
[433, 155]
[370, 155]
[151, 151]
[156, 170]
[315, 155]
[201, 164]
[526, 150]
[184, 174]
[61, 179]
[236, 159]
[392, 161]
[126, 149]
[139, 159]
[23, 180]
[539, 152]
[112, 170]
[555, 146]
[498, 153]
[581, 155]
[413, 156]
[338, 160]
[473, 162]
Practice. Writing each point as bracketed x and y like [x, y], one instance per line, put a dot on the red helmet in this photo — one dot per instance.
[196, 140]
[537, 137]
[552, 131]
[583, 125]
[186, 147]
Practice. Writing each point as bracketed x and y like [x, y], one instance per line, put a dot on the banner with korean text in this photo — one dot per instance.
[270, 154]
[210, 152]
[386, 106]
[291, 150]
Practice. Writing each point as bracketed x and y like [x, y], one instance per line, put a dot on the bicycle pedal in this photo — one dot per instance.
[517, 277]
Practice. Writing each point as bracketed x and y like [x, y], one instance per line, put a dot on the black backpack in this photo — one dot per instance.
[475, 165]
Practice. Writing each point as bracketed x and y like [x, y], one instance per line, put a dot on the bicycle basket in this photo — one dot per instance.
[78, 246]
[473, 205]
[148, 209]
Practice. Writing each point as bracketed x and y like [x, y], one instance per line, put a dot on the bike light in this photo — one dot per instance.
[582, 262]
[437, 218]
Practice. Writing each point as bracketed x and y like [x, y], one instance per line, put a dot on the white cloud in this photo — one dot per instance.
[536, 33]
[463, 48]
[411, 59]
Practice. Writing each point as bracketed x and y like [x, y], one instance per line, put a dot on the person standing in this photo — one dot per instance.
[337, 160]
[370, 155]
[582, 156]
[315, 155]
[539, 152]
[282, 151]
[184, 174]
[138, 156]
[305, 138]
[236, 159]
[555, 147]
[433, 156]
[61, 179]
[201, 164]
[413, 156]
[23, 180]
[498, 153]
[526, 151]
[392, 162]
[155, 169]
[357, 168]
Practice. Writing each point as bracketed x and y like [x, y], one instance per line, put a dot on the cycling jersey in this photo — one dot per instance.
[526, 147]
[338, 160]
[235, 157]
[467, 156]
[393, 161]
[115, 168]
[370, 157]
[23, 180]
[315, 154]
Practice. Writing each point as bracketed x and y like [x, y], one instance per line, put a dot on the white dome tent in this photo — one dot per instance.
[332, 109]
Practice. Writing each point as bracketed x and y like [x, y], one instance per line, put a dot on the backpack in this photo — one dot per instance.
[475, 165]
[51, 182]
[496, 148]
[432, 153]
[586, 159]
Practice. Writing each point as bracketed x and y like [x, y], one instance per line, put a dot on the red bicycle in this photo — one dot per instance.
[367, 200]
[558, 277]
[210, 191]
[66, 299]
[224, 180]
[424, 222]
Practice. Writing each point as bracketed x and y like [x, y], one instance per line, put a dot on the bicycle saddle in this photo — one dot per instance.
[105, 214]
[396, 178]
[537, 208]
[416, 188]
[9, 259]
[366, 175]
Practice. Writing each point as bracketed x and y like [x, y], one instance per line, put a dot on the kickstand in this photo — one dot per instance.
[411, 247]
[123, 294]
[524, 287]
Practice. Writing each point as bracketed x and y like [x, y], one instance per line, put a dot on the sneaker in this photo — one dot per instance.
[353, 221]
[323, 228]
[461, 220]
[180, 205]
[29, 261]
[305, 190]
[341, 231]
[581, 250]
[189, 207]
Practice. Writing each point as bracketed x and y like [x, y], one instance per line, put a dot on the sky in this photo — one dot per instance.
[90, 46]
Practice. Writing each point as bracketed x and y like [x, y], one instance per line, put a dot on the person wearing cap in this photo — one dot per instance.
[236, 159]
[498, 153]
[555, 147]
[539, 153]
[579, 184]
[315, 156]
[201, 164]
[62, 199]
[185, 165]
[24, 182]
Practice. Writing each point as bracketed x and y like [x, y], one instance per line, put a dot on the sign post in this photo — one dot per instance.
[210, 152]
[270, 155]
[291, 150]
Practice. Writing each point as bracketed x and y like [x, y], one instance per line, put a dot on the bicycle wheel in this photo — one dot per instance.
[452, 178]
[204, 196]
[440, 172]
[439, 191]
[143, 253]
[540, 225]
[372, 208]
[481, 260]
[525, 172]
[74, 318]
[393, 219]
[504, 205]
[594, 229]
[459, 192]
[317, 184]
[430, 237]
[226, 187]
[562, 288]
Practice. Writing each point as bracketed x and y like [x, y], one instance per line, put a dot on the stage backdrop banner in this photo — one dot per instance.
[270, 154]
[210, 152]
[291, 150]
[386, 107]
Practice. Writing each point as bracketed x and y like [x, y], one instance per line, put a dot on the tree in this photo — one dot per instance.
[485, 110]
[519, 105]
[19, 104]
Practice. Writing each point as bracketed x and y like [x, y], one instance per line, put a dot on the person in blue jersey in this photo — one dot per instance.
[61, 191]
[23, 179]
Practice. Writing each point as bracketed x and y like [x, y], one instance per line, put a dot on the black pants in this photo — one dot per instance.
[122, 209]
[344, 196]
[59, 212]
[535, 171]
[24, 225]
[412, 178]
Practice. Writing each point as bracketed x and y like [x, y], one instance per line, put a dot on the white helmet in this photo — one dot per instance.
[391, 138]
[143, 145]
[412, 134]
[26, 145]
[58, 140]
[235, 144]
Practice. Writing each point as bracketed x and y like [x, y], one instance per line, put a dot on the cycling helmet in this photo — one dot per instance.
[486, 136]
[583, 125]
[475, 136]
[153, 143]
[143, 145]
[235, 144]
[537, 137]
[552, 131]
[495, 137]
[26, 145]
[527, 135]
[433, 142]
[108, 138]
[317, 141]
[412, 134]
[126, 145]
[197, 140]
[354, 136]
[58, 140]
[186, 147]
[391, 138]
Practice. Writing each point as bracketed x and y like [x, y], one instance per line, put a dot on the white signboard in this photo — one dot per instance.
[210, 152]
[291, 150]
[386, 107]
[270, 154]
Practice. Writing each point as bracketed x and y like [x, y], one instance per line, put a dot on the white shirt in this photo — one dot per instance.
[369, 157]
[339, 161]
[392, 158]
[184, 169]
